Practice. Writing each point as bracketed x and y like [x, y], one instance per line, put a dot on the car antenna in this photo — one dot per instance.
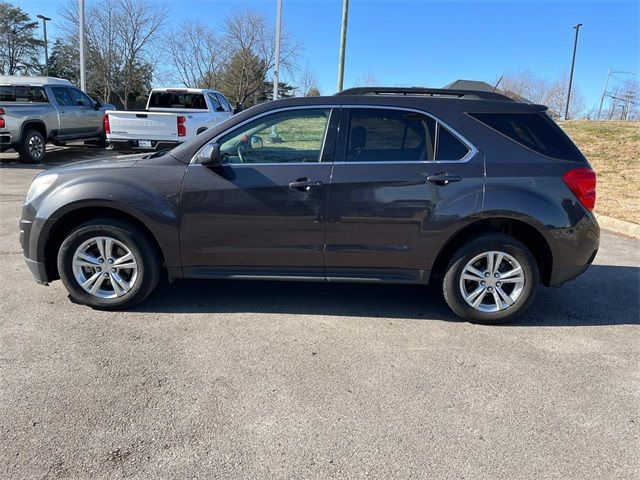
[497, 83]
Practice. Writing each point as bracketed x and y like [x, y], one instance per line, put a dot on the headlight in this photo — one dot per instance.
[40, 185]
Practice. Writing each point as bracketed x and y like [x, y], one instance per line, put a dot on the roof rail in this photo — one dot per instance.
[432, 92]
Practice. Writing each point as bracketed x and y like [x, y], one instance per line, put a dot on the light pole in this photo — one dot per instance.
[46, 46]
[276, 68]
[83, 77]
[343, 43]
[573, 63]
[606, 82]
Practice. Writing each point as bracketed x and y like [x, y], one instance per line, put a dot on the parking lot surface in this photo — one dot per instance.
[279, 380]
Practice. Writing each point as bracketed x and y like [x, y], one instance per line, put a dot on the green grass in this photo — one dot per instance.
[613, 149]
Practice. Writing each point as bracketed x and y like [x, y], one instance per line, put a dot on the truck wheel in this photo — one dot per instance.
[32, 148]
[492, 279]
[109, 264]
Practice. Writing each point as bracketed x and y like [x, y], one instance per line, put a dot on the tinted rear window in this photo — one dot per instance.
[23, 94]
[532, 130]
[177, 100]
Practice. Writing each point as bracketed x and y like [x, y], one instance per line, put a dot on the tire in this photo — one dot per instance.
[32, 148]
[110, 294]
[502, 295]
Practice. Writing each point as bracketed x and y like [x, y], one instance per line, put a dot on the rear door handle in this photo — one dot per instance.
[304, 184]
[443, 178]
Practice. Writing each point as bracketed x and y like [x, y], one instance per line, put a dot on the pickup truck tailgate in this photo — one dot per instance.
[143, 125]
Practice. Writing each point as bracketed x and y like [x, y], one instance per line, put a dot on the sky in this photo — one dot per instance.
[431, 43]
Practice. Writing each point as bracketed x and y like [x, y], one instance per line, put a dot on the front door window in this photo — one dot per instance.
[294, 136]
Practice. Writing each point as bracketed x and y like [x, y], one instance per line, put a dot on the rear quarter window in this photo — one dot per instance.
[22, 94]
[533, 131]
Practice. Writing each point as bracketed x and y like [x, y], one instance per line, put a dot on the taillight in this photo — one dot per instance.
[107, 127]
[182, 130]
[2, 124]
[582, 182]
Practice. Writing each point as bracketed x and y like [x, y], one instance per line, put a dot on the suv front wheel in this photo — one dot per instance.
[109, 264]
[492, 279]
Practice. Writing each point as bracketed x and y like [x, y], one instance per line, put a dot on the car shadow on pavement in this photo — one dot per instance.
[56, 156]
[604, 295]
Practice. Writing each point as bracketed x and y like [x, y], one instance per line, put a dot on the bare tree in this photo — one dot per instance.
[367, 80]
[120, 35]
[197, 55]
[524, 85]
[307, 83]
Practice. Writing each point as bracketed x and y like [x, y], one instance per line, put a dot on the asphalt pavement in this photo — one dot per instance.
[245, 380]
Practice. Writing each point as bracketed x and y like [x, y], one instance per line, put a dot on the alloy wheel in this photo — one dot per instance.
[105, 267]
[492, 281]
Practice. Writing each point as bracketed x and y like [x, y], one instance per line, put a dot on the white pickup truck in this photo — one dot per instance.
[172, 116]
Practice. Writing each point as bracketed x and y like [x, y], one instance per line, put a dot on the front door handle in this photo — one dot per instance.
[443, 178]
[304, 184]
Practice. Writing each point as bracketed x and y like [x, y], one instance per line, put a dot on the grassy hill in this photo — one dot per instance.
[613, 149]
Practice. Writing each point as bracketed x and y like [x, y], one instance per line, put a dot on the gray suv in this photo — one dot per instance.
[470, 190]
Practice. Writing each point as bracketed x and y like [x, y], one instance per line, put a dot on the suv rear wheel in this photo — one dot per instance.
[108, 264]
[492, 279]
[32, 148]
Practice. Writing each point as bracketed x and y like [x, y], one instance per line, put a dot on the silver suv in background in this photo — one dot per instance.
[38, 110]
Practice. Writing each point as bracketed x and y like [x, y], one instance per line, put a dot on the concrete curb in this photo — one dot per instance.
[619, 226]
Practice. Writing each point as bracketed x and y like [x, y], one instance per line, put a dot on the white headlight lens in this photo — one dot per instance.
[39, 186]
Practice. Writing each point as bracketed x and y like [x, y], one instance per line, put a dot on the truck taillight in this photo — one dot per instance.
[2, 124]
[107, 127]
[582, 182]
[182, 130]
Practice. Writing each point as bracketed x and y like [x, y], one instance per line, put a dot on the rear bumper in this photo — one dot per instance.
[573, 249]
[6, 140]
[132, 145]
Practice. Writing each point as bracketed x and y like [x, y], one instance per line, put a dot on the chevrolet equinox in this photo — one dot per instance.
[471, 190]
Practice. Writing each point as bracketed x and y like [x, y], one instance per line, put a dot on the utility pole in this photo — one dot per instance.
[83, 76]
[46, 45]
[630, 95]
[343, 42]
[604, 93]
[276, 68]
[573, 63]
[606, 83]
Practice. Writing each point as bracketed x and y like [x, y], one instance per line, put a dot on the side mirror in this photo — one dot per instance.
[238, 108]
[209, 156]
[256, 142]
[97, 105]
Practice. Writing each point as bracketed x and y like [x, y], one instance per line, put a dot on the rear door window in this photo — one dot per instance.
[390, 135]
[224, 102]
[22, 94]
[533, 131]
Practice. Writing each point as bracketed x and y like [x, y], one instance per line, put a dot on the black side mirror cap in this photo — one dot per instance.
[97, 105]
[210, 155]
[238, 108]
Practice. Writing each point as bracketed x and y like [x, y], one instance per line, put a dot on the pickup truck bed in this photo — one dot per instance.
[172, 117]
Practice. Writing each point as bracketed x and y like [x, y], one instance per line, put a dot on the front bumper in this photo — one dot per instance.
[29, 232]
[38, 270]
